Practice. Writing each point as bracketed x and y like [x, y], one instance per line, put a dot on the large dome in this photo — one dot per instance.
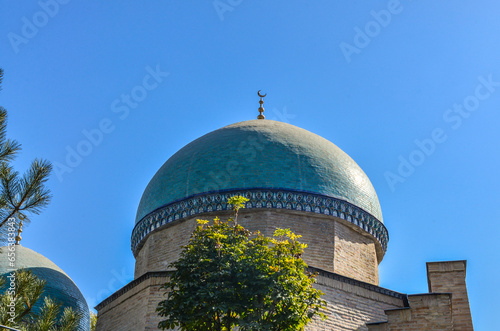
[274, 164]
[59, 286]
[260, 154]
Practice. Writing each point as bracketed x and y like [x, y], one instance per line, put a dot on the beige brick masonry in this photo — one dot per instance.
[445, 308]
[351, 303]
[449, 277]
[333, 244]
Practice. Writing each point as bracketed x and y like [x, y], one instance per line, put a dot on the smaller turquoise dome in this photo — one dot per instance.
[59, 286]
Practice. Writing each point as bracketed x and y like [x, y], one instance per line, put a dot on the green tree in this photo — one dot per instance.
[227, 277]
[93, 321]
[29, 313]
[20, 195]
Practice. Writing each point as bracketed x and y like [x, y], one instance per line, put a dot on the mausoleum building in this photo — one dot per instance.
[293, 179]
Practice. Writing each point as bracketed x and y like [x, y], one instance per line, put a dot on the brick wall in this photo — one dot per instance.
[351, 304]
[445, 308]
[163, 246]
[333, 244]
[426, 312]
[133, 307]
[355, 254]
[449, 277]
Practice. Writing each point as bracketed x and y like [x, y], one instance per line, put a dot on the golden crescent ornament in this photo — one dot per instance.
[261, 109]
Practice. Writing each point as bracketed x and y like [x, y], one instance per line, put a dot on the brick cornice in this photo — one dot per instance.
[131, 285]
[319, 272]
[364, 285]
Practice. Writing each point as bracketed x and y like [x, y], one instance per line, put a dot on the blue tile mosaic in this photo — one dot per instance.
[59, 286]
[261, 198]
[260, 154]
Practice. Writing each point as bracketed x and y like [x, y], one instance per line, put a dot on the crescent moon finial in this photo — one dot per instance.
[261, 109]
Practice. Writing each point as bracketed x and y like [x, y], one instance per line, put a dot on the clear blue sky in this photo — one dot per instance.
[371, 76]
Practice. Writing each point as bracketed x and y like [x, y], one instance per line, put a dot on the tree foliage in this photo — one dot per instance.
[24, 307]
[227, 277]
[93, 321]
[20, 195]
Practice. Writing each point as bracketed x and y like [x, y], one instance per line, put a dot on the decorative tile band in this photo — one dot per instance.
[260, 198]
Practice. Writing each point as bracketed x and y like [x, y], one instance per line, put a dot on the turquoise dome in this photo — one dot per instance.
[59, 286]
[260, 154]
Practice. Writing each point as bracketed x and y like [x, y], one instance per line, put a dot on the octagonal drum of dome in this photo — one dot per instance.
[258, 158]
[59, 285]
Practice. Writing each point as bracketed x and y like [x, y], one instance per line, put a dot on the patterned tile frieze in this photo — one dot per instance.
[261, 198]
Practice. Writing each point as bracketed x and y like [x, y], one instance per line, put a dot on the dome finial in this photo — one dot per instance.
[261, 109]
[18, 237]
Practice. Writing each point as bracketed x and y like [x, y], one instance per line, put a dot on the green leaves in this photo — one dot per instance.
[237, 202]
[227, 277]
[93, 321]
